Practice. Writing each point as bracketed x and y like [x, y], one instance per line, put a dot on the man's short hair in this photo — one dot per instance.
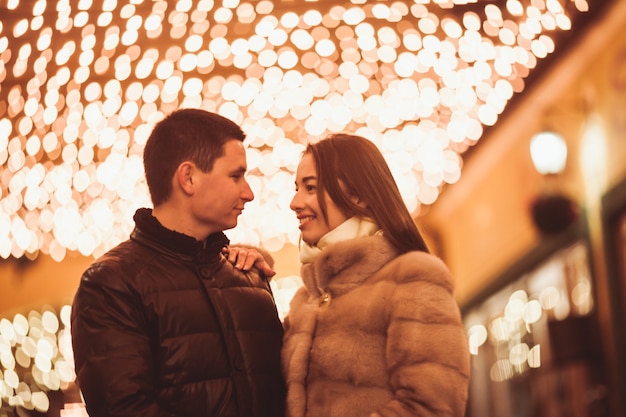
[185, 135]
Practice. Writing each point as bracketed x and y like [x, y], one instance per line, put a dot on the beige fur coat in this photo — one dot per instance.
[389, 342]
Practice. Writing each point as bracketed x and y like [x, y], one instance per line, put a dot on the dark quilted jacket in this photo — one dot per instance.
[163, 325]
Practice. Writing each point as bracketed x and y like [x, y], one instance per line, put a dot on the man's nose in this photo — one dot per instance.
[247, 194]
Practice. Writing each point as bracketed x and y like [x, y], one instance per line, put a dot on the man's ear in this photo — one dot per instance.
[184, 177]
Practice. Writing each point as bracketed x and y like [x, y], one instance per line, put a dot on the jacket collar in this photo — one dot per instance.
[149, 231]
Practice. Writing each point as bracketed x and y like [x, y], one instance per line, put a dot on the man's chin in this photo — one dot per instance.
[230, 225]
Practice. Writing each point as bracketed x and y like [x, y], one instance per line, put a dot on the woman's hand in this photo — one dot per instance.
[244, 258]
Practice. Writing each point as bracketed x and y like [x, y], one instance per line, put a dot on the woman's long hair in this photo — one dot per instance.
[351, 166]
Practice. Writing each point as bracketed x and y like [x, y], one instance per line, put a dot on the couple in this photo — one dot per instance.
[170, 323]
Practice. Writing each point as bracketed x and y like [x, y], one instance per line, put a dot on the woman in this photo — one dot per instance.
[375, 330]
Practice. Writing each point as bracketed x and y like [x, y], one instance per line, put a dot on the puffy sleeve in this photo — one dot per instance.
[113, 357]
[427, 352]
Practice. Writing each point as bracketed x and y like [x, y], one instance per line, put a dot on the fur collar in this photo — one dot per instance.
[344, 265]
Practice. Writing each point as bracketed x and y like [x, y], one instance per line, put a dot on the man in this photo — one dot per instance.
[164, 324]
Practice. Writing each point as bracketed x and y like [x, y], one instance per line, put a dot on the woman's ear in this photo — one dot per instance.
[356, 200]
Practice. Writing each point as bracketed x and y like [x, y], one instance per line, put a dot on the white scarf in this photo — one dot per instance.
[352, 228]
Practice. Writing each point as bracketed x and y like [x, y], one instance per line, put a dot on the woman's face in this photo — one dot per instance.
[306, 206]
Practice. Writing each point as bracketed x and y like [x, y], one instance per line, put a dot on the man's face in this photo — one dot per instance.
[222, 193]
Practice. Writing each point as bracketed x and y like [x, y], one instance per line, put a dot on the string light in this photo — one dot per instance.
[82, 85]
[35, 357]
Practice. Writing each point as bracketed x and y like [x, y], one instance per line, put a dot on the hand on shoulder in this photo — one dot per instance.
[245, 257]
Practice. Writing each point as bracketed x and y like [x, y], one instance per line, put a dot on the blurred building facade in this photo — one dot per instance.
[489, 229]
